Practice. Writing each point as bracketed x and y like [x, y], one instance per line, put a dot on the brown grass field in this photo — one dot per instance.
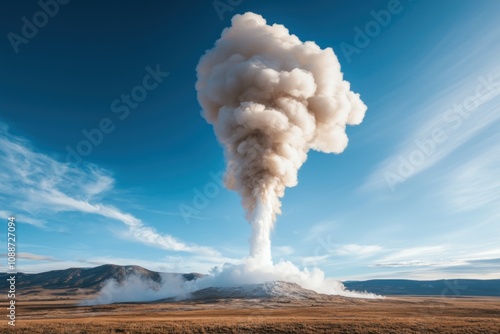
[335, 315]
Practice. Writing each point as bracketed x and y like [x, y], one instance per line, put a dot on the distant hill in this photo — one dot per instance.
[449, 288]
[84, 278]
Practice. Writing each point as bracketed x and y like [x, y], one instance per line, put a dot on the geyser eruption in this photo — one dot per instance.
[261, 220]
[271, 98]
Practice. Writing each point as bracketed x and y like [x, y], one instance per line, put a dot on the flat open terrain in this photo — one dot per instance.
[337, 315]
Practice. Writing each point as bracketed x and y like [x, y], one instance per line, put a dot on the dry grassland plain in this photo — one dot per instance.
[396, 315]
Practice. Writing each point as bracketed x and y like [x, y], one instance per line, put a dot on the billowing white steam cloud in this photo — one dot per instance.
[137, 289]
[271, 98]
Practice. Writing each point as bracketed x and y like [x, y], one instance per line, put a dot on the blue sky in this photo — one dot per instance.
[415, 195]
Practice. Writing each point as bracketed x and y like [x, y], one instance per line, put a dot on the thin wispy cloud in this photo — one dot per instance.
[476, 184]
[319, 230]
[20, 218]
[35, 257]
[39, 183]
[413, 254]
[436, 258]
[454, 116]
[313, 260]
[465, 271]
[417, 263]
[357, 250]
[458, 269]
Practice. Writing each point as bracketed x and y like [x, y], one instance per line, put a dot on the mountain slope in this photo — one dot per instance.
[264, 290]
[84, 278]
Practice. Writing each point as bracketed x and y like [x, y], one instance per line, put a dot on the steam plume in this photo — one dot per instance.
[271, 98]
